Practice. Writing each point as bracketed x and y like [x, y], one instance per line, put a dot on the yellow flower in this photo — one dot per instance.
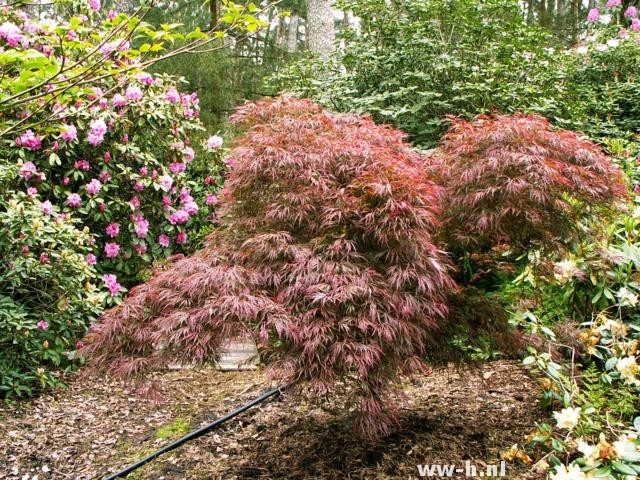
[572, 472]
[567, 418]
[628, 369]
[625, 448]
[590, 452]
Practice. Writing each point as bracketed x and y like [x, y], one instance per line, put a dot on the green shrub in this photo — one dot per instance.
[47, 295]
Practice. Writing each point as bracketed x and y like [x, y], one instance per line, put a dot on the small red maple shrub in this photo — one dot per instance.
[513, 181]
[325, 256]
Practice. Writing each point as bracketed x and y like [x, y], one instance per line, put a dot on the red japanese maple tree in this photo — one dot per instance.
[325, 256]
[514, 181]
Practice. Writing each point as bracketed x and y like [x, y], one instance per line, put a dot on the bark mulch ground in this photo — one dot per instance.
[96, 428]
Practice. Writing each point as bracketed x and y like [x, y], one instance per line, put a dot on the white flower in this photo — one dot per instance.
[571, 473]
[627, 297]
[616, 328]
[628, 369]
[590, 452]
[214, 142]
[582, 50]
[567, 418]
[626, 449]
[614, 42]
[606, 19]
[601, 48]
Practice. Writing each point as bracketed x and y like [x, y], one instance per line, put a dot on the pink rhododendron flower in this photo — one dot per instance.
[166, 181]
[141, 227]
[191, 208]
[179, 217]
[636, 189]
[119, 101]
[95, 5]
[623, 33]
[72, 35]
[144, 171]
[13, 35]
[32, 191]
[29, 140]
[102, 206]
[141, 248]
[208, 181]
[104, 176]
[111, 249]
[66, 181]
[635, 25]
[112, 15]
[172, 95]
[185, 195]
[25, 250]
[28, 170]
[189, 154]
[42, 325]
[125, 138]
[211, 199]
[613, 3]
[214, 142]
[107, 157]
[98, 129]
[91, 259]
[111, 282]
[594, 15]
[94, 186]
[82, 165]
[164, 241]
[44, 258]
[139, 186]
[56, 146]
[181, 238]
[79, 344]
[135, 202]
[47, 207]
[177, 167]
[73, 200]
[69, 133]
[112, 230]
[133, 93]
[631, 12]
[145, 78]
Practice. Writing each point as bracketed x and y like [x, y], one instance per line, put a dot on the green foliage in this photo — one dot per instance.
[414, 63]
[613, 404]
[179, 427]
[47, 295]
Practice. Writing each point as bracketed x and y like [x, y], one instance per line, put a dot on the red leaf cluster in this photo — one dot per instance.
[325, 256]
[514, 181]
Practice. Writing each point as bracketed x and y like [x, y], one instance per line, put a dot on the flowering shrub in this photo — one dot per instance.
[514, 181]
[596, 435]
[326, 258]
[102, 139]
[48, 293]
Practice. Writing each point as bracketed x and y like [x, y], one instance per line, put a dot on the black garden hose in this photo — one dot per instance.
[198, 433]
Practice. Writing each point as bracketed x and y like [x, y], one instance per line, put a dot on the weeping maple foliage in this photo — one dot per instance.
[325, 256]
[514, 181]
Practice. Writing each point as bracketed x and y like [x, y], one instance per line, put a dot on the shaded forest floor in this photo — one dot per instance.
[95, 428]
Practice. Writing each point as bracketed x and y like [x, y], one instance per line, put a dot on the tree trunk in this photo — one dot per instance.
[321, 32]
[280, 33]
[214, 10]
[292, 34]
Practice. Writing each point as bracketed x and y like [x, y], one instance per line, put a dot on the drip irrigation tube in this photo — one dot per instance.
[198, 433]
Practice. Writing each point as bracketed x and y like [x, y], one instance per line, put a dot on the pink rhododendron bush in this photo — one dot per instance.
[96, 156]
